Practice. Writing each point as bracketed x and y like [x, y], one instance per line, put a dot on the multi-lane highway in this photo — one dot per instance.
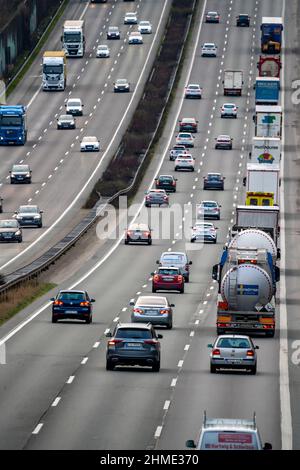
[55, 392]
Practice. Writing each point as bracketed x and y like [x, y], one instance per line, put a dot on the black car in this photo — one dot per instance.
[138, 233]
[72, 304]
[133, 344]
[243, 20]
[20, 174]
[10, 231]
[213, 181]
[113, 32]
[167, 182]
[66, 121]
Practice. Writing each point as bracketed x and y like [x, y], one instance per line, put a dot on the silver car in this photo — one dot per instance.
[178, 259]
[209, 49]
[102, 51]
[208, 210]
[29, 215]
[233, 352]
[153, 309]
[121, 85]
[229, 110]
[145, 27]
[156, 196]
[89, 144]
[224, 142]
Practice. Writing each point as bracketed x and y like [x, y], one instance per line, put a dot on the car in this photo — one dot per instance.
[66, 121]
[243, 20]
[133, 344]
[156, 196]
[135, 38]
[138, 233]
[185, 138]
[153, 309]
[184, 162]
[233, 352]
[223, 142]
[229, 110]
[29, 215]
[74, 106]
[72, 304]
[145, 27]
[10, 231]
[130, 18]
[89, 144]
[228, 434]
[212, 17]
[20, 174]
[102, 51]
[188, 124]
[178, 259]
[177, 150]
[205, 232]
[213, 181]
[121, 85]
[166, 182]
[113, 32]
[168, 278]
[193, 90]
[209, 210]
[209, 49]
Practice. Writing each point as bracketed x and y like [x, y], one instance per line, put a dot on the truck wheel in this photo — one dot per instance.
[182, 290]
[153, 290]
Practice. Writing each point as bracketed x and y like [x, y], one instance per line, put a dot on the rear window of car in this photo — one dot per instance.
[151, 301]
[234, 343]
[71, 296]
[133, 333]
[209, 204]
[228, 440]
[165, 178]
[174, 259]
[20, 168]
[214, 177]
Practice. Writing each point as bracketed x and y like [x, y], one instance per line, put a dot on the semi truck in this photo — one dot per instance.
[269, 66]
[268, 121]
[13, 125]
[262, 178]
[271, 35]
[267, 90]
[73, 40]
[266, 150]
[54, 70]
[246, 296]
[233, 82]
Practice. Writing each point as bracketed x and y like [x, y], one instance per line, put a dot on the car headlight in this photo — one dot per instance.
[27, 175]
[38, 216]
[18, 232]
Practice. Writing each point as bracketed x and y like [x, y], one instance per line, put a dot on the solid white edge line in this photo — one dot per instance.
[38, 428]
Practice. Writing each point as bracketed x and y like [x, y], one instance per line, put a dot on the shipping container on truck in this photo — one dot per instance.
[267, 90]
[271, 35]
[233, 82]
[265, 150]
[269, 66]
[268, 121]
[263, 178]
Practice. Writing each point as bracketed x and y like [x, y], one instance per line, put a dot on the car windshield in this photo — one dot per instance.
[28, 209]
[229, 106]
[173, 259]
[144, 23]
[228, 440]
[74, 103]
[139, 227]
[113, 29]
[214, 177]
[8, 224]
[66, 117]
[89, 139]
[209, 204]
[122, 81]
[133, 333]
[184, 136]
[71, 296]
[209, 46]
[20, 168]
[236, 343]
[193, 87]
[155, 301]
[102, 48]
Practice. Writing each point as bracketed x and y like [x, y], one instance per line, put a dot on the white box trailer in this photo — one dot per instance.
[263, 178]
[233, 82]
[265, 150]
[268, 121]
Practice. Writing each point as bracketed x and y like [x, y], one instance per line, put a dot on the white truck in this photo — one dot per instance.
[263, 178]
[266, 150]
[233, 82]
[54, 71]
[73, 39]
[268, 121]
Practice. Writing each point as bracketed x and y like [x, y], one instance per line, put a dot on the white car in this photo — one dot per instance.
[224, 142]
[130, 18]
[193, 90]
[208, 210]
[102, 51]
[177, 150]
[121, 85]
[184, 162]
[135, 38]
[209, 49]
[185, 138]
[204, 232]
[145, 27]
[89, 144]
[74, 106]
[229, 110]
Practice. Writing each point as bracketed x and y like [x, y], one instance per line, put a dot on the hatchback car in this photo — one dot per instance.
[89, 144]
[113, 32]
[20, 174]
[185, 138]
[184, 162]
[156, 197]
[212, 17]
[177, 150]
[168, 278]
[145, 27]
[121, 85]
[130, 18]
[166, 182]
[233, 352]
[66, 121]
[154, 309]
[224, 142]
[188, 124]
[213, 181]
[102, 51]
[178, 259]
[72, 304]
[10, 231]
[243, 20]
[133, 344]
[138, 233]
[209, 210]
[209, 49]
[193, 90]
[205, 232]
[74, 106]
[135, 38]
[229, 110]
[29, 216]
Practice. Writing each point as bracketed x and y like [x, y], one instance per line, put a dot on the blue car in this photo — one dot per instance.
[72, 304]
[213, 181]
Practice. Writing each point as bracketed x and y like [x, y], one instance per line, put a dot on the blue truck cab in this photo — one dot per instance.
[271, 35]
[267, 90]
[13, 126]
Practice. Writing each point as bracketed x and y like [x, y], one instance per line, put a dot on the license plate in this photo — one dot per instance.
[151, 312]
[234, 361]
[168, 279]
[134, 345]
[71, 311]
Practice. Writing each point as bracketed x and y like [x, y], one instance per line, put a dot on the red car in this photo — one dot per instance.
[188, 124]
[168, 278]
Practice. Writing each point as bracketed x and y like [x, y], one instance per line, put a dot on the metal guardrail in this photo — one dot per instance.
[42, 263]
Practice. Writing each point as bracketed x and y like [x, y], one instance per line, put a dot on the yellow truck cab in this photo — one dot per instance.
[256, 198]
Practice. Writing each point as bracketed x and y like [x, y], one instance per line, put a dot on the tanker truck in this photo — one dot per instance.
[246, 297]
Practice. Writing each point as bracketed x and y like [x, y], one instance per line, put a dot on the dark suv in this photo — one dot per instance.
[72, 304]
[133, 344]
[243, 20]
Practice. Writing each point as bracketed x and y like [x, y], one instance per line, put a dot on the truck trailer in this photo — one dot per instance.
[266, 150]
[13, 125]
[268, 121]
[267, 90]
[263, 178]
[269, 66]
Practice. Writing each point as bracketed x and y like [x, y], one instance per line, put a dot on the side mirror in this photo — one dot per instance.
[190, 444]
[61, 38]
[244, 181]
[41, 212]
[267, 446]
[160, 336]
[157, 262]
[52, 299]
[10, 171]
[210, 345]
[16, 212]
[172, 305]
[108, 334]
[131, 303]
[93, 300]
[152, 274]
[256, 347]
[191, 262]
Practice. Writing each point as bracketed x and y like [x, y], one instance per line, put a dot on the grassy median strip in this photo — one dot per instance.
[20, 297]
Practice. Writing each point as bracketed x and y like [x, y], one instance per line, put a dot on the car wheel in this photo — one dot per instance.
[175, 168]
[109, 365]
[54, 320]
[182, 290]
[187, 279]
[89, 320]
[153, 290]
[253, 370]
[149, 242]
[192, 240]
[126, 242]
[170, 326]
[213, 369]
[20, 240]
[156, 366]
[215, 241]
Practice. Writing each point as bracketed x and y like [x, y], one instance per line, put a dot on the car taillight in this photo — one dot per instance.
[113, 342]
[137, 310]
[180, 278]
[146, 234]
[147, 197]
[163, 312]
[84, 304]
[58, 302]
[156, 277]
[165, 198]
[174, 183]
[150, 341]
[216, 352]
[250, 353]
